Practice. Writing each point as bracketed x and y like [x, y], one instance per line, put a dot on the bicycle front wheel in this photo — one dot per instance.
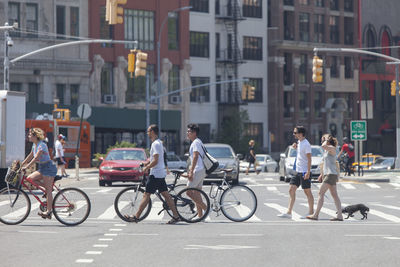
[127, 202]
[189, 201]
[71, 206]
[238, 203]
[15, 206]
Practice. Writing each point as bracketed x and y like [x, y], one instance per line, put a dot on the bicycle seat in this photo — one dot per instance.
[228, 170]
[57, 177]
[178, 171]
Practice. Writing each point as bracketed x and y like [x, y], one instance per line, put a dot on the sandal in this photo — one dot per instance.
[45, 215]
[310, 217]
[173, 220]
[336, 219]
[131, 218]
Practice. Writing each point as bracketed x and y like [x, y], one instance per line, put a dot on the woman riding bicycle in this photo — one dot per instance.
[46, 172]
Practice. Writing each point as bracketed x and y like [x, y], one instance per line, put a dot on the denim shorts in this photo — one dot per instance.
[48, 169]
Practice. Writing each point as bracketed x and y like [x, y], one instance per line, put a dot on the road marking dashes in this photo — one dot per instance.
[348, 186]
[282, 209]
[372, 185]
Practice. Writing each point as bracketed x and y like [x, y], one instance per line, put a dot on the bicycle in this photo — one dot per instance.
[128, 200]
[238, 203]
[71, 206]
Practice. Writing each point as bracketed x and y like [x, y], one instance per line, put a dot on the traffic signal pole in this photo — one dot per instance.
[393, 60]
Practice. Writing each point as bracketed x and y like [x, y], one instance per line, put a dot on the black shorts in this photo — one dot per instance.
[154, 184]
[299, 179]
[59, 161]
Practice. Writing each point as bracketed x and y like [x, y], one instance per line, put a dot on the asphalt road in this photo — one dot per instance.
[264, 240]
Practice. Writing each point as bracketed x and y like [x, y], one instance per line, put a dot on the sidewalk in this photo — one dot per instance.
[374, 177]
[83, 175]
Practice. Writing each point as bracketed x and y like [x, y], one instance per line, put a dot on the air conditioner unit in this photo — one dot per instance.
[110, 99]
[176, 99]
[202, 99]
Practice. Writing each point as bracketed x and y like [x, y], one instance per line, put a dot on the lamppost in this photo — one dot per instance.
[158, 64]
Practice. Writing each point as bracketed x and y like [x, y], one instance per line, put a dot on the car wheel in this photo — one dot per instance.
[102, 183]
[109, 183]
[281, 178]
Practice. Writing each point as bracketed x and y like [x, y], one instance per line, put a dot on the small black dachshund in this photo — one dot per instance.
[354, 208]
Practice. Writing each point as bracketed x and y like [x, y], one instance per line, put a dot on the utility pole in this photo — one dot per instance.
[7, 42]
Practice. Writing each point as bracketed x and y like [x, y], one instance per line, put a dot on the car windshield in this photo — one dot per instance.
[382, 161]
[173, 157]
[220, 152]
[315, 152]
[260, 158]
[126, 155]
[368, 159]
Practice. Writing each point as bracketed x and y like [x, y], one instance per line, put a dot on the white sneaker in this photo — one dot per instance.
[285, 215]
[305, 216]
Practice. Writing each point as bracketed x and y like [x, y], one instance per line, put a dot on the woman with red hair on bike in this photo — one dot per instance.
[46, 172]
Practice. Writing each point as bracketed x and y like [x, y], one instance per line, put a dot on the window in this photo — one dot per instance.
[201, 94]
[217, 7]
[258, 92]
[334, 4]
[106, 80]
[74, 88]
[174, 84]
[205, 130]
[319, 28]
[33, 93]
[14, 16]
[319, 3]
[269, 14]
[252, 8]
[252, 48]
[385, 43]
[303, 104]
[60, 13]
[317, 104]
[348, 67]
[106, 30]
[60, 93]
[199, 5]
[217, 45]
[287, 69]
[348, 31]
[139, 26]
[255, 131]
[74, 21]
[303, 69]
[199, 44]
[32, 20]
[370, 39]
[334, 67]
[288, 24]
[288, 2]
[173, 31]
[136, 87]
[348, 5]
[218, 88]
[304, 2]
[304, 27]
[334, 29]
[287, 104]
[16, 87]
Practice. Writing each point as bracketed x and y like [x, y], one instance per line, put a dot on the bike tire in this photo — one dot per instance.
[238, 203]
[19, 211]
[127, 202]
[173, 192]
[71, 206]
[186, 207]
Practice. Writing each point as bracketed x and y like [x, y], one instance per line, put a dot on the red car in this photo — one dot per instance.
[122, 165]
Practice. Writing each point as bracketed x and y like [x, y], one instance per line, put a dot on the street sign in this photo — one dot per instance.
[87, 111]
[358, 130]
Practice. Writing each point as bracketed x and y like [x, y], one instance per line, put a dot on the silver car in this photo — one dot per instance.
[174, 162]
[287, 161]
[267, 163]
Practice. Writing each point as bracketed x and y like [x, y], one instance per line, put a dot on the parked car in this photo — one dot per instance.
[287, 161]
[383, 163]
[122, 165]
[367, 160]
[227, 159]
[267, 163]
[243, 164]
[174, 162]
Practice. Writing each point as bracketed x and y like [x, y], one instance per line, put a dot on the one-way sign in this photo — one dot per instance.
[358, 130]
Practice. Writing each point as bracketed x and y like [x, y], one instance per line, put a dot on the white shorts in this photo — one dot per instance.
[198, 177]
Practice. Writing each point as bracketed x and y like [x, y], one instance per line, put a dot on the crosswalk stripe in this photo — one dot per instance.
[243, 211]
[155, 209]
[104, 190]
[387, 206]
[110, 212]
[372, 185]
[397, 185]
[21, 211]
[282, 209]
[383, 215]
[268, 179]
[328, 211]
[272, 188]
[347, 186]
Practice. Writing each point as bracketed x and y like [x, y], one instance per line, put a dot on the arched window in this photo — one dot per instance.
[385, 42]
[370, 40]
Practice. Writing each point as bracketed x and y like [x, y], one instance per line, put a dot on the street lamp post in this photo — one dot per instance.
[158, 64]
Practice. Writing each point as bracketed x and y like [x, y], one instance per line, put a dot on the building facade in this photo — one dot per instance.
[295, 28]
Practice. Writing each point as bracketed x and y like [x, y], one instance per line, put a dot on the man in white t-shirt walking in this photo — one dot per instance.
[303, 169]
[196, 172]
[60, 155]
[156, 180]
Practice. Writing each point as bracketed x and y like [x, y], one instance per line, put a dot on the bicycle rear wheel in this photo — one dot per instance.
[127, 203]
[238, 203]
[15, 206]
[71, 206]
[186, 207]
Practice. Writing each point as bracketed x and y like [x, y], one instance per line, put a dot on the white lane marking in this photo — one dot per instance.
[100, 245]
[367, 235]
[84, 261]
[93, 252]
[155, 209]
[272, 188]
[397, 185]
[143, 234]
[244, 211]
[110, 212]
[115, 230]
[241, 234]
[103, 190]
[347, 186]
[268, 179]
[220, 247]
[105, 239]
[120, 224]
[388, 206]
[282, 209]
[383, 215]
[392, 237]
[372, 185]
[19, 212]
[110, 234]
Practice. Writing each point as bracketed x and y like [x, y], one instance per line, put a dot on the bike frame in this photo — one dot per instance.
[220, 189]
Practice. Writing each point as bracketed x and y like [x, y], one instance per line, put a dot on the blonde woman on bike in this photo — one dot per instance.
[46, 172]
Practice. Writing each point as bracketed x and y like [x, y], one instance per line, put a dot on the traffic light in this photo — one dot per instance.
[393, 88]
[244, 91]
[115, 13]
[251, 90]
[141, 64]
[317, 69]
[131, 62]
